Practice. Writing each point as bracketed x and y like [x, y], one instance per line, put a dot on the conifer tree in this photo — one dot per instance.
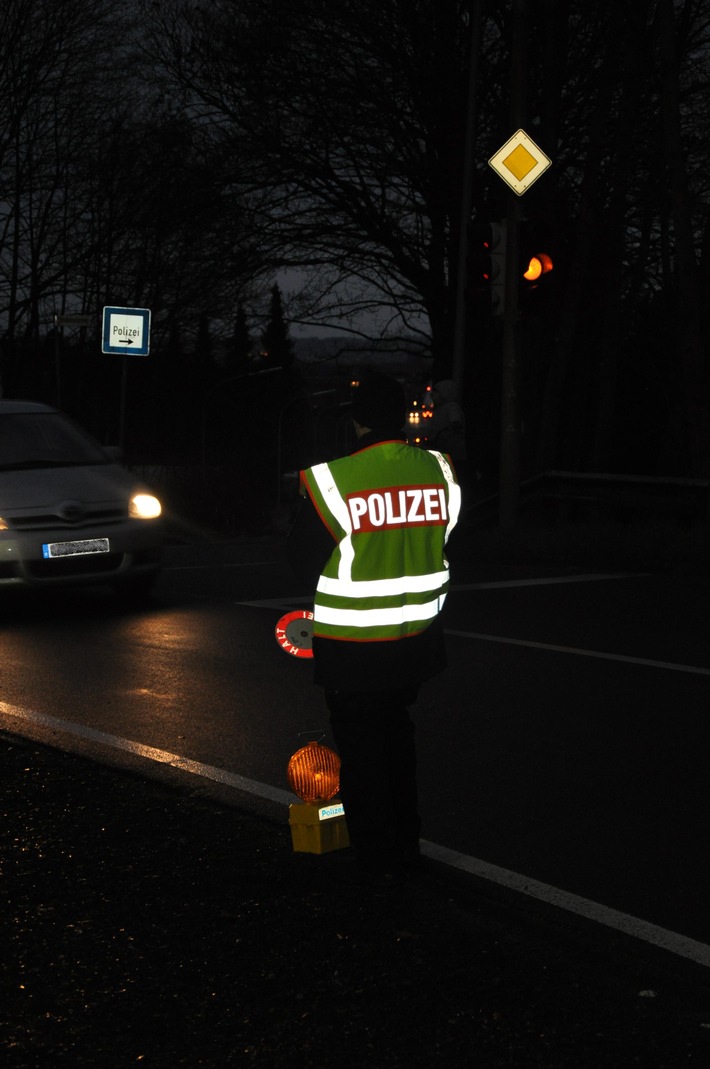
[276, 343]
[239, 352]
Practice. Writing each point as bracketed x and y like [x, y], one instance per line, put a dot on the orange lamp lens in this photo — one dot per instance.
[314, 773]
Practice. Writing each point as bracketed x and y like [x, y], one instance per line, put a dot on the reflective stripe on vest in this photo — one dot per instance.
[454, 491]
[380, 617]
[381, 588]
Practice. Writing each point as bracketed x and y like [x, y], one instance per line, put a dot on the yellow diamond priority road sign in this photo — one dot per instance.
[520, 162]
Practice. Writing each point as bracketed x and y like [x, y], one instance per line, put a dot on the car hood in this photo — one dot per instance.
[38, 487]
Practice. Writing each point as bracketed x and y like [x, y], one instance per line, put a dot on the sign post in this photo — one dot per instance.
[519, 162]
[125, 331]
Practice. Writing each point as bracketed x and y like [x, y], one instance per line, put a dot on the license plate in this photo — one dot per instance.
[75, 549]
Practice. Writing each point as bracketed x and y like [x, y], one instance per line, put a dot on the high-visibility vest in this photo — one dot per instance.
[390, 508]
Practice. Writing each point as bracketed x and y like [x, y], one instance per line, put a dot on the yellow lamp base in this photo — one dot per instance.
[318, 829]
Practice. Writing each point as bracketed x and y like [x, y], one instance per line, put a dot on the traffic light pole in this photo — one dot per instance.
[460, 315]
[509, 477]
[509, 480]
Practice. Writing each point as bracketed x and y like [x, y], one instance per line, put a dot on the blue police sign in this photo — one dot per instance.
[126, 330]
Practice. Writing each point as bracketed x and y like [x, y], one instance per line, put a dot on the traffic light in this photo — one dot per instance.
[536, 281]
[536, 276]
[485, 264]
[538, 265]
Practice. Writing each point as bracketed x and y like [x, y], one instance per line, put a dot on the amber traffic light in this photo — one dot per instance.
[540, 264]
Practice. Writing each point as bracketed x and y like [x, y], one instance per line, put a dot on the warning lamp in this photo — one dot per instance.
[318, 823]
[314, 773]
[540, 264]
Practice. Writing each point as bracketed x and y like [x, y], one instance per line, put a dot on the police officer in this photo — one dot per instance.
[371, 537]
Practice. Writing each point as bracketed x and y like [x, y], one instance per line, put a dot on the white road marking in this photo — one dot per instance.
[150, 753]
[550, 580]
[211, 565]
[646, 662]
[283, 605]
[277, 603]
[677, 944]
[497, 584]
[680, 945]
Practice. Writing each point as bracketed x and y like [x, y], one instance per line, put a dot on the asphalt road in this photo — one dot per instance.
[562, 755]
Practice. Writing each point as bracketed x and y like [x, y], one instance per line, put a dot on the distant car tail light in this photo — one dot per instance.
[144, 507]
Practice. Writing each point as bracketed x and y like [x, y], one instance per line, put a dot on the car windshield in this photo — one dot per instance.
[45, 440]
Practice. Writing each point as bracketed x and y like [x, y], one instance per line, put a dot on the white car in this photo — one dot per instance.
[69, 512]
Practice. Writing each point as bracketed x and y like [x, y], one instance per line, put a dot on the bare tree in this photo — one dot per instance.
[344, 123]
[195, 163]
[49, 98]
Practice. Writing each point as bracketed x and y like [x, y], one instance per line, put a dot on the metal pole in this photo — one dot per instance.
[509, 499]
[122, 427]
[57, 370]
[509, 484]
[459, 340]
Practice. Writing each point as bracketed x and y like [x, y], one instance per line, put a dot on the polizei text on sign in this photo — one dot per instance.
[125, 333]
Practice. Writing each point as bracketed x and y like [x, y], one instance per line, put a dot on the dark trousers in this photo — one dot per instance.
[374, 736]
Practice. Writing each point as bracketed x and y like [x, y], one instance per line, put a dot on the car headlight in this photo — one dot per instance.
[144, 507]
[4, 525]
